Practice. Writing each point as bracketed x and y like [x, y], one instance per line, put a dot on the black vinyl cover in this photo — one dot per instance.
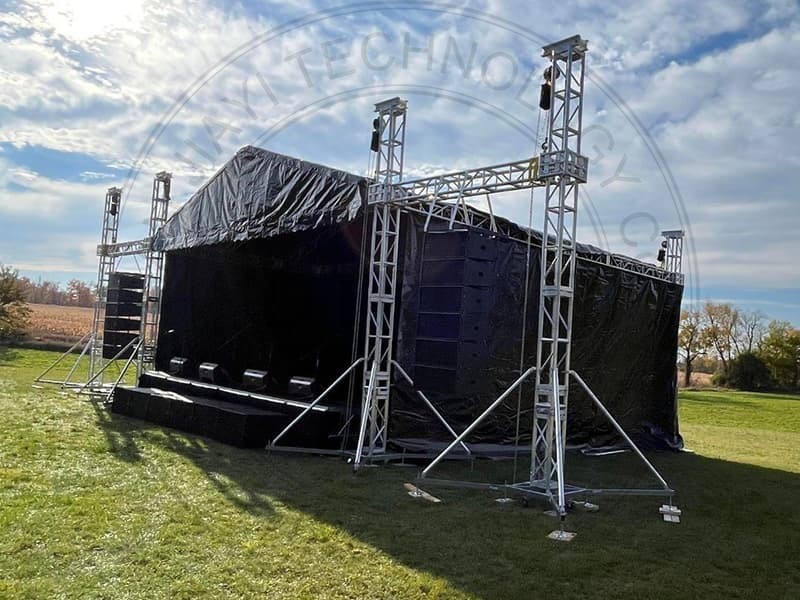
[624, 346]
[261, 194]
[262, 271]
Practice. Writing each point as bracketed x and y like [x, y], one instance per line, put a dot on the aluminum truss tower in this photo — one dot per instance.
[390, 131]
[105, 267]
[108, 251]
[564, 169]
[154, 270]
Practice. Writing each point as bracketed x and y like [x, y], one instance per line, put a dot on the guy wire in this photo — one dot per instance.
[525, 313]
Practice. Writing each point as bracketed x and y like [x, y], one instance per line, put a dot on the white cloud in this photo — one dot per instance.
[714, 83]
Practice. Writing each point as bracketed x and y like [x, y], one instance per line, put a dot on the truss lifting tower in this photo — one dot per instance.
[564, 169]
[105, 267]
[108, 251]
[389, 131]
[153, 273]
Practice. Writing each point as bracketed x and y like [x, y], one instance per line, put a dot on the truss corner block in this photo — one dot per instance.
[561, 48]
[562, 163]
[392, 104]
[671, 514]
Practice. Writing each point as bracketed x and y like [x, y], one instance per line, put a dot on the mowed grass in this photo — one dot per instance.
[93, 505]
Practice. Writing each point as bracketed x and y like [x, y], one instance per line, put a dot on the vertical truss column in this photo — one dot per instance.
[154, 267]
[388, 144]
[673, 262]
[563, 168]
[104, 269]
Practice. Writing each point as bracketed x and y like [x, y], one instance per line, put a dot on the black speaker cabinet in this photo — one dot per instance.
[453, 321]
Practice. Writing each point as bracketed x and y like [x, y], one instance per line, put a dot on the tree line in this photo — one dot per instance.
[744, 348]
[16, 292]
[76, 292]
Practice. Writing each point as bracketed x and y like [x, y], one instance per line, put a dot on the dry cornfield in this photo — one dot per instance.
[59, 323]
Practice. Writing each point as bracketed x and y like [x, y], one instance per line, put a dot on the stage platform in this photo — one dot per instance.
[235, 417]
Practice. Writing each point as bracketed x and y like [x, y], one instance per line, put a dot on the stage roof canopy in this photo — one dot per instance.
[261, 194]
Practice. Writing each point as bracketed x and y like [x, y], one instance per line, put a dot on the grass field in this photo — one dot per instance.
[93, 505]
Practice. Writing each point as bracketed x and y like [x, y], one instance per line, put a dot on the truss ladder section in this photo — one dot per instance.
[154, 269]
[389, 131]
[105, 267]
[673, 262]
[563, 168]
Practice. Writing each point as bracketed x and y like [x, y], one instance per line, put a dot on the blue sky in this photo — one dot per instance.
[691, 117]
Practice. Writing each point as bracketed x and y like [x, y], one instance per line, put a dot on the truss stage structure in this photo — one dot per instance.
[141, 348]
[560, 169]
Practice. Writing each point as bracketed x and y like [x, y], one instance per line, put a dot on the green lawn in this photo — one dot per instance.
[93, 505]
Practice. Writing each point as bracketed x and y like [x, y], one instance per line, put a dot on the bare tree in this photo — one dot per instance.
[79, 293]
[750, 330]
[722, 323]
[692, 340]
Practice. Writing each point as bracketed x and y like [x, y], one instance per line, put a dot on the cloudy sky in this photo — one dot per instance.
[691, 118]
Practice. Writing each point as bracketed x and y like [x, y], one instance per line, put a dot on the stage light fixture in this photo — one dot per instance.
[208, 372]
[662, 252]
[375, 144]
[546, 92]
[254, 380]
[302, 386]
[178, 365]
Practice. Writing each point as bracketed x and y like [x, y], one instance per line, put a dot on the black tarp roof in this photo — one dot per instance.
[260, 194]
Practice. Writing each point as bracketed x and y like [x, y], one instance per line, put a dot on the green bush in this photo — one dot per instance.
[13, 308]
[748, 372]
[719, 379]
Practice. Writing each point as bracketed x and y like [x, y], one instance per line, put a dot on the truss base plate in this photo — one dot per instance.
[671, 514]
[562, 536]
[415, 492]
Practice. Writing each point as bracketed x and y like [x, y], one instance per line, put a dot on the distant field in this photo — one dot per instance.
[698, 380]
[59, 324]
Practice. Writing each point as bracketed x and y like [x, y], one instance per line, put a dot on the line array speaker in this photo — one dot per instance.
[123, 313]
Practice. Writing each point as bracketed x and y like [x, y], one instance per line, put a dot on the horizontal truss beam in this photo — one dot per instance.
[445, 192]
[124, 248]
[506, 177]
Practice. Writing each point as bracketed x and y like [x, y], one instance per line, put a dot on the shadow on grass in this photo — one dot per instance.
[7, 354]
[739, 529]
[120, 433]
